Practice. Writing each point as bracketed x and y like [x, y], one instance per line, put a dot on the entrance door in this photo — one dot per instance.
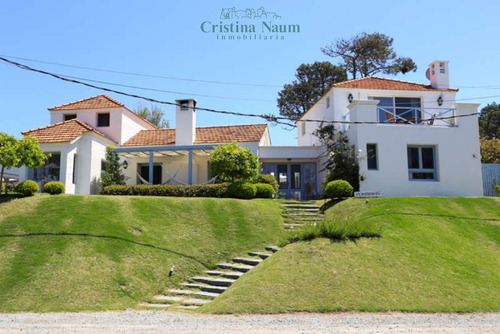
[144, 172]
[296, 180]
[283, 181]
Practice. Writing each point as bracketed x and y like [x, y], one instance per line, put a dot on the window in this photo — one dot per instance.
[283, 176]
[295, 170]
[49, 171]
[328, 102]
[103, 120]
[75, 163]
[371, 153]
[422, 163]
[398, 109]
[303, 127]
[68, 117]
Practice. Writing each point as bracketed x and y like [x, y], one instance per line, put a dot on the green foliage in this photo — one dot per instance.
[54, 188]
[197, 190]
[489, 121]
[490, 150]
[264, 190]
[369, 54]
[2, 188]
[312, 82]
[242, 190]
[342, 161]
[338, 189]
[27, 188]
[230, 163]
[112, 170]
[154, 115]
[268, 179]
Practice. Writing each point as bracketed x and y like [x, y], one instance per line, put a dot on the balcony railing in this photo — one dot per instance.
[416, 116]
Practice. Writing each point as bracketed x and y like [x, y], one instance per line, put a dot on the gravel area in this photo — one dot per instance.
[173, 323]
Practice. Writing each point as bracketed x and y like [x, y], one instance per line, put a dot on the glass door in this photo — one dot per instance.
[309, 171]
[296, 182]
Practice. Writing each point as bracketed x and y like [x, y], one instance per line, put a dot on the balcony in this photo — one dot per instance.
[443, 117]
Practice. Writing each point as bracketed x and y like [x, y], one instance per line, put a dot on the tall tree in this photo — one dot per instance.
[368, 54]
[154, 115]
[312, 81]
[17, 153]
[112, 173]
[489, 121]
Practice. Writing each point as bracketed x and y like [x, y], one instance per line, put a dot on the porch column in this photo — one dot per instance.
[151, 159]
[190, 166]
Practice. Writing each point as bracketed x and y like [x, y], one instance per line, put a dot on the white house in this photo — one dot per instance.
[414, 139]
[410, 148]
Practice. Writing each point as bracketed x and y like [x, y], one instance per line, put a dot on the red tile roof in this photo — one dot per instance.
[204, 135]
[93, 102]
[62, 132]
[386, 84]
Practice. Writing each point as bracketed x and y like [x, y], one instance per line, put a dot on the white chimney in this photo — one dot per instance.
[438, 74]
[185, 122]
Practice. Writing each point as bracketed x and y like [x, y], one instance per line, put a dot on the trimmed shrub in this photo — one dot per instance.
[242, 190]
[198, 190]
[231, 163]
[338, 189]
[264, 190]
[54, 188]
[27, 188]
[268, 179]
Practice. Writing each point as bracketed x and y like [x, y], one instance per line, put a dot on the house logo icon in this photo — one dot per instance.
[249, 13]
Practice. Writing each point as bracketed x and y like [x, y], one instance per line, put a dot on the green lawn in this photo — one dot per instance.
[74, 253]
[434, 255]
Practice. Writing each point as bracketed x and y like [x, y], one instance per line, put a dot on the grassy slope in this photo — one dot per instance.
[435, 254]
[76, 253]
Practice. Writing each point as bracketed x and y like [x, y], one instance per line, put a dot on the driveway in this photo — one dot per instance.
[173, 323]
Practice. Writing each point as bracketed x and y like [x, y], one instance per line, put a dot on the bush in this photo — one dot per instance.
[338, 189]
[243, 190]
[27, 188]
[268, 179]
[264, 190]
[199, 190]
[54, 188]
[230, 163]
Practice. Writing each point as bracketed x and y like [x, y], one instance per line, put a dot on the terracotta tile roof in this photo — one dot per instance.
[204, 135]
[93, 102]
[62, 132]
[386, 84]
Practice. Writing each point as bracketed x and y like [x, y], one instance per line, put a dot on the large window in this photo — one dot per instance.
[398, 109]
[371, 156]
[422, 163]
[283, 176]
[103, 120]
[49, 171]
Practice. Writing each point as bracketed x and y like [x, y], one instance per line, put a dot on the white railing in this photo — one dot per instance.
[417, 116]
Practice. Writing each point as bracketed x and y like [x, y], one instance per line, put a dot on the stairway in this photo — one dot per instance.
[202, 289]
[298, 213]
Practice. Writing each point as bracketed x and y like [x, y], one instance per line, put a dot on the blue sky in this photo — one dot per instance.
[164, 38]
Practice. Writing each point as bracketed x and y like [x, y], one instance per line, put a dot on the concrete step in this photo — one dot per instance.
[293, 225]
[312, 219]
[238, 267]
[300, 210]
[273, 249]
[168, 298]
[228, 274]
[155, 305]
[303, 215]
[247, 260]
[195, 301]
[194, 293]
[259, 254]
[205, 287]
[214, 281]
[187, 307]
[300, 206]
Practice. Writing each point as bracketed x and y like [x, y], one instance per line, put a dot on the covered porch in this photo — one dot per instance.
[169, 164]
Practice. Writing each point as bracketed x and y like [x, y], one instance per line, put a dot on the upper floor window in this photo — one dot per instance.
[103, 120]
[422, 163]
[68, 117]
[398, 109]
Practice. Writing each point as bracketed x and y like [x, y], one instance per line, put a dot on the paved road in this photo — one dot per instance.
[177, 323]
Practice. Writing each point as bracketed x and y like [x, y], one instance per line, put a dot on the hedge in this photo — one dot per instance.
[242, 190]
[265, 190]
[197, 190]
[269, 179]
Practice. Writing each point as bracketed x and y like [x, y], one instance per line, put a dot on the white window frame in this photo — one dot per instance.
[420, 163]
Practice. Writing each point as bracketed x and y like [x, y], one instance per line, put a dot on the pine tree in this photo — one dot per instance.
[112, 173]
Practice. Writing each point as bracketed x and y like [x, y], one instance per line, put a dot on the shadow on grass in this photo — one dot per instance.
[110, 237]
[330, 204]
[9, 197]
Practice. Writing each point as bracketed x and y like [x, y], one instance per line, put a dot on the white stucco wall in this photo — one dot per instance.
[457, 152]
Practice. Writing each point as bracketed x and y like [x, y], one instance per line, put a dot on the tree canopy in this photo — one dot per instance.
[231, 162]
[154, 115]
[312, 82]
[489, 121]
[368, 54]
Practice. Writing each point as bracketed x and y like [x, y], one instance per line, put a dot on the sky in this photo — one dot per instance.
[164, 38]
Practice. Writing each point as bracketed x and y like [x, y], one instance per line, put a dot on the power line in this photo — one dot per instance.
[142, 74]
[269, 117]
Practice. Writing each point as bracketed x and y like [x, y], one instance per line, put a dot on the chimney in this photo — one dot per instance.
[438, 74]
[185, 122]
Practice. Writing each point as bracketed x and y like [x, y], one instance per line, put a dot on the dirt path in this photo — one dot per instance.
[174, 323]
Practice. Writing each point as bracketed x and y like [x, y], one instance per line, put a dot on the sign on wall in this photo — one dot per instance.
[368, 194]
